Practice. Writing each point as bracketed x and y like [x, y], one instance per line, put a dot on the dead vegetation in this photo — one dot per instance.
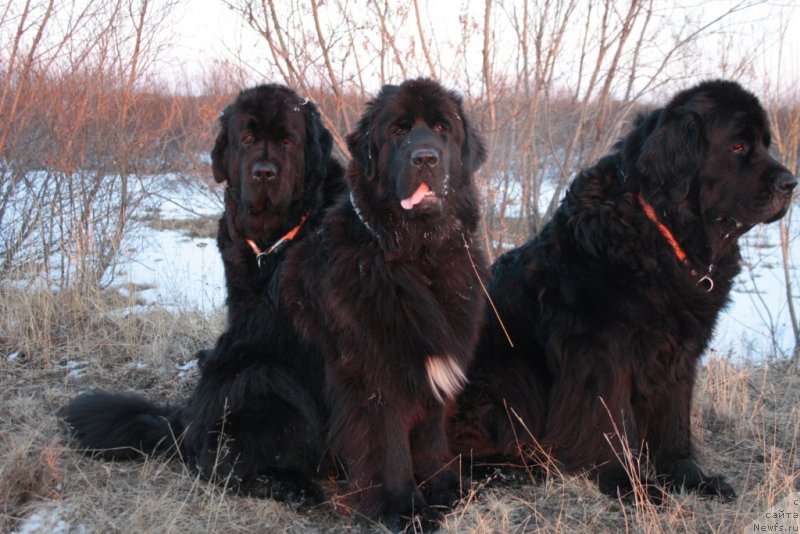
[55, 345]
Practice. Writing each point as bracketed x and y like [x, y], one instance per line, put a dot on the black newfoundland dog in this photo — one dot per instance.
[389, 289]
[255, 421]
[612, 305]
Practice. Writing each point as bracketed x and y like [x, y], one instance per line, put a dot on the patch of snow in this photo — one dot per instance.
[187, 369]
[49, 519]
[183, 199]
[178, 271]
[188, 366]
[757, 322]
[74, 368]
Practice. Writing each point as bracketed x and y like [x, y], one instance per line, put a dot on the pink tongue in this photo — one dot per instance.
[415, 199]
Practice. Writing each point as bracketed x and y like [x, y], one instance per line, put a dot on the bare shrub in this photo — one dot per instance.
[87, 133]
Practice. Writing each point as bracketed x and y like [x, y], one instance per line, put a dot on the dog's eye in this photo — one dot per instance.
[439, 127]
[286, 141]
[400, 128]
[247, 139]
[739, 148]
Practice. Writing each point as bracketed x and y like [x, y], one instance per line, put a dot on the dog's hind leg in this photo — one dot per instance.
[591, 425]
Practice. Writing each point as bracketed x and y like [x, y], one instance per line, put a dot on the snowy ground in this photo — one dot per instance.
[187, 273]
[757, 322]
[179, 272]
[50, 519]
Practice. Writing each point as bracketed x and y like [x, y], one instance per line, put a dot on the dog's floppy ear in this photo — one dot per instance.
[359, 144]
[317, 150]
[672, 154]
[325, 139]
[218, 167]
[316, 134]
[473, 151]
[359, 141]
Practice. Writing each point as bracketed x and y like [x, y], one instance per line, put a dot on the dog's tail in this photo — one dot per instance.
[122, 426]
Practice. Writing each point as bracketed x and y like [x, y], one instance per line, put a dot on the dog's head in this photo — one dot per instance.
[414, 148]
[273, 152]
[708, 150]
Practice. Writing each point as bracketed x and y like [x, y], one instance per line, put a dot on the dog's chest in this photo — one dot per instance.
[438, 295]
[411, 318]
[445, 276]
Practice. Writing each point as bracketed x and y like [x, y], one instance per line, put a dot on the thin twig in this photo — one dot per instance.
[486, 292]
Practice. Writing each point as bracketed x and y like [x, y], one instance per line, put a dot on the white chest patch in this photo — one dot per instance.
[445, 376]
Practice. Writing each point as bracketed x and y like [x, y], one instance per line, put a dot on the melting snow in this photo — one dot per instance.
[187, 369]
[188, 273]
[49, 519]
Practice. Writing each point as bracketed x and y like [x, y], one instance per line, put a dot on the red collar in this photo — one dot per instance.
[275, 246]
[651, 214]
[676, 248]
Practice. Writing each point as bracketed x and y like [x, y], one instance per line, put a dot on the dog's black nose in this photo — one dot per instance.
[425, 157]
[785, 182]
[264, 171]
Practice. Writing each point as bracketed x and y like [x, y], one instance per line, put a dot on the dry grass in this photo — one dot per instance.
[746, 426]
[195, 227]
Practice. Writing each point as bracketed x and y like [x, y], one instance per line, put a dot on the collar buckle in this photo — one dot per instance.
[261, 255]
[706, 279]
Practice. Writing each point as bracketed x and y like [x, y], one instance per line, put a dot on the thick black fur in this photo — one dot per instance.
[608, 324]
[255, 421]
[383, 289]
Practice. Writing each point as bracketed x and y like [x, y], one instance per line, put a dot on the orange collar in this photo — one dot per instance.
[651, 214]
[705, 279]
[260, 255]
